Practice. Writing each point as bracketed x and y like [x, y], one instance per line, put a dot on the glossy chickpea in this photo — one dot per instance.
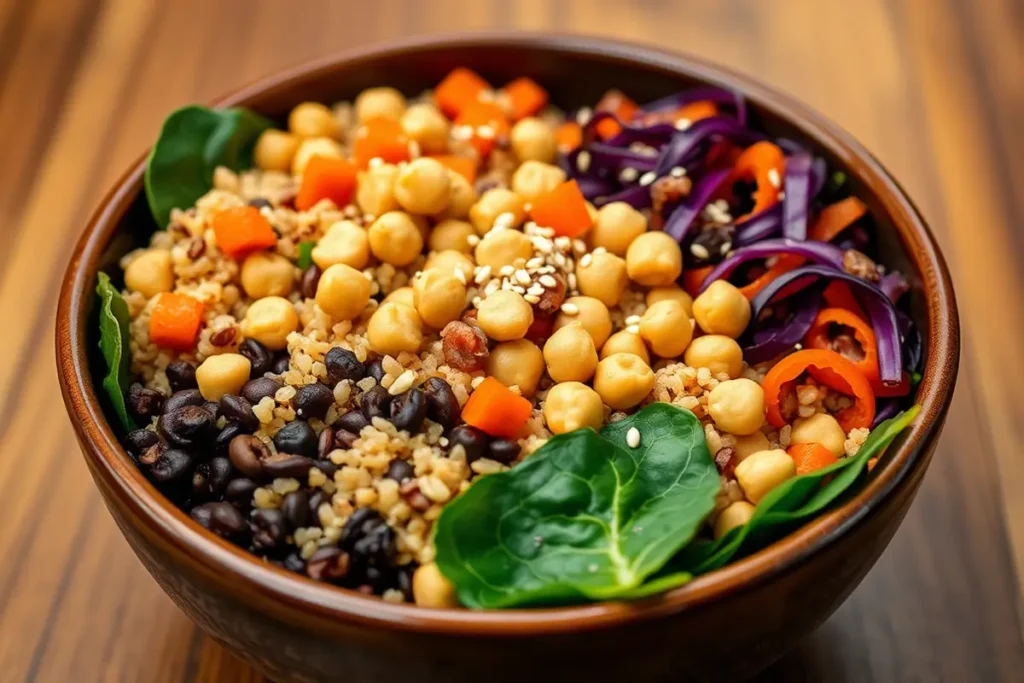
[736, 515]
[533, 140]
[451, 234]
[654, 259]
[572, 405]
[674, 292]
[502, 248]
[427, 126]
[314, 147]
[534, 178]
[820, 428]
[344, 242]
[275, 150]
[616, 226]
[394, 328]
[602, 276]
[762, 471]
[737, 406]
[504, 315]
[265, 273]
[222, 374]
[439, 297]
[150, 273]
[590, 313]
[313, 120]
[375, 189]
[379, 103]
[749, 444]
[461, 197]
[430, 588]
[423, 186]
[570, 354]
[343, 292]
[395, 238]
[722, 309]
[493, 203]
[666, 328]
[449, 261]
[623, 380]
[269, 321]
[625, 341]
[518, 363]
[402, 295]
[717, 353]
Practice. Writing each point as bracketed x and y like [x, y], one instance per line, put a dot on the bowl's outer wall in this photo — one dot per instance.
[717, 633]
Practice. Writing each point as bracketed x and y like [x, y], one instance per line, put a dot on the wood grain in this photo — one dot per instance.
[934, 87]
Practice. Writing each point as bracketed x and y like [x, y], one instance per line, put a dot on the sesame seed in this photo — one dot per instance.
[721, 204]
[633, 320]
[798, 346]
[536, 289]
[628, 174]
[507, 219]
[633, 437]
[506, 285]
[546, 270]
[773, 177]
[483, 274]
[580, 247]
[700, 251]
[460, 276]
[534, 263]
[486, 132]
[570, 309]
[583, 115]
[473, 240]
[563, 242]
[572, 281]
[518, 290]
[585, 261]
[548, 281]
[462, 132]
[597, 250]
[492, 287]
[583, 161]
[724, 249]
[375, 162]
[531, 298]
[648, 178]
[677, 172]
[506, 271]
[683, 124]
[476, 302]
[477, 381]
[542, 244]
[633, 329]
[522, 277]
[559, 259]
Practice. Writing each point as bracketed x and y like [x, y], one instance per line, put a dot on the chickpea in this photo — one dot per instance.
[314, 147]
[265, 273]
[423, 186]
[762, 471]
[313, 120]
[150, 273]
[461, 196]
[275, 150]
[431, 589]
[395, 238]
[737, 514]
[344, 242]
[342, 292]
[654, 259]
[737, 406]
[402, 295]
[717, 353]
[623, 380]
[502, 248]
[820, 428]
[517, 362]
[269, 321]
[616, 226]
[722, 309]
[493, 203]
[427, 126]
[379, 103]
[439, 297]
[590, 313]
[533, 140]
[751, 443]
[674, 292]
[449, 261]
[603, 277]
[534, 178]
[570, 354]
[504, 315]
[222, 374]
[452, 234]
[624, 341]
[572, 405]
[394, 328]
[375, 189]
[666, 328]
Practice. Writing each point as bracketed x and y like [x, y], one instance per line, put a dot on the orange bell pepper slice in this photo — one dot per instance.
[241, 230]
[174, 321]
[764, 164]
[617, 103]
[831, 369]
[809, 457]
[835, 218]
[694, 278]
[838, 295]
[831, 323]
[497, 410]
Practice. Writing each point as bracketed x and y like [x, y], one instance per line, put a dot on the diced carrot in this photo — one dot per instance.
[326, 178]
[617, 103]
[527, 98]
[241, 230]
[459, 89]
[810, 457]
[496, 409]
[835, 218]
[568, 136]
[174, 321]
[464, 166]
[563, 209]
[381, 138]
[693, 278]
[487, 121]
[695, 111]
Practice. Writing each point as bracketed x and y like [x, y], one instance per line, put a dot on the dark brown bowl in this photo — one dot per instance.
[722, 626]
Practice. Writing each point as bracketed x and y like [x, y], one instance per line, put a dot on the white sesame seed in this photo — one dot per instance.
[522, 277]
[798, 346]
[633, 320]
[476, 302]
[633, 437]
[585, 261]
[460, 276]
[462, 132]
[634, 329]
[597, 250]
[518, 290]
[559, 259]
[473, 240]
[375, 162]
[773, 177]
[492, 287]
[506, 285]
[583, 161]
[572, 281]
[648, 178]
[486, 132]
[683, 124]
[724, 249]
[677, 172]
[570, 309]
[563, 242]
[483, 274]
[580, 247]
[477, 381]
[546, 270]
[628, 174]
[721, 204]
[443, 441]
[700, 251]
[403, 383]
[506, 271]
[548, 281]
[531, 298]
[506, 218]
[535, 262]
[583, 115]
[542, 244]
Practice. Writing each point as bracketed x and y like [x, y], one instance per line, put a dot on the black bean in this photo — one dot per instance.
[281, 365]
[268, 528]
[473, 440]
[408, 410]
[503, 450]
[294, 563]
[239, 491]
[260, 203]
[247, 454]
[327, 467]
[353, 421]
[186, 427]
[442, 406]
[375, 369]
[239, 410]
[327, 564]
[166, 467]
[260, 358]
[181, 375]
[316, 499]
[211, 478]
[213, 408]
[309, 281]
[344, 439]
[343, 364]
[404, 580]
[182, 398]
[296, 509]
[287, 465]
[255, 390]
[375, 403]
[325, 443]
[312, 400]
[222, 519]
[138, 440]
[370, 545]
[400, 470]
[144, 403]
[226, 435]
[297, 438]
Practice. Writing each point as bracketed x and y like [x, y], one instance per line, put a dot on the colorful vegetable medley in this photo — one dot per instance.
[470, 349]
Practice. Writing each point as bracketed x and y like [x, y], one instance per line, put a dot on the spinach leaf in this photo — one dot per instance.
[585, 517]
[305, 254]
[114, 337]
[195, 140]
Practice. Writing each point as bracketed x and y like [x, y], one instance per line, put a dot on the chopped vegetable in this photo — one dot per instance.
[568, 136]
[783, 265]
[464, 166]
[305, 259]
[114, 338]
[695, 111]
[526, 97]
[380, 138]
[175, 320]
[623, 108]
[496, 409]
[326, 178]
[838, 295]
[810, 457]
[563, 209]
[797, 201]
[847, 334]
[241, 230]
[458, 90]
[693, 278]
[487, 122]
[837, 217]
[832, 370]
[764, 164]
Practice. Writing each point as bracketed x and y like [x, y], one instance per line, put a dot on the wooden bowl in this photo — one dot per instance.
[724, 625]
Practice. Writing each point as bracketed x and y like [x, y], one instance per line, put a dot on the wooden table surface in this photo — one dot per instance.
[935, 88]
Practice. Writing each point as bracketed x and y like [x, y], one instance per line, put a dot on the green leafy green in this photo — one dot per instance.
[585, 517]
[195, 140]
[305, 255]
[114, 337]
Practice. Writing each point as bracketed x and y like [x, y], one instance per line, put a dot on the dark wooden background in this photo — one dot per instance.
[934, 87]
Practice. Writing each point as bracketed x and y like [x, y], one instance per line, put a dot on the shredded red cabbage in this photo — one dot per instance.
[684, 146]
[761, 226]
[818, 252]
[797, 199]
[708, 93]
[684, 215]
[774, 340]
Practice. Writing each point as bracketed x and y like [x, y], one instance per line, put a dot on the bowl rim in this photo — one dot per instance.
[296, 599]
